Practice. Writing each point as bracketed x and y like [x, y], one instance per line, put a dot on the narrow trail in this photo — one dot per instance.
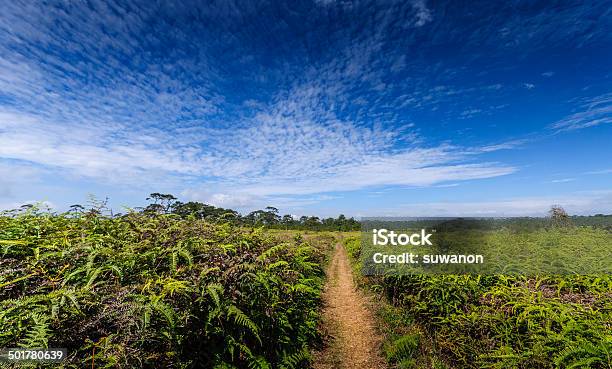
[355, 342]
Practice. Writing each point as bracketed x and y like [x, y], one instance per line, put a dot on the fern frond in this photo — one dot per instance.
[243, 320]
[38, 334]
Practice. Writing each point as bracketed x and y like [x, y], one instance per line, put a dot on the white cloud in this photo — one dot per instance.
[469, 113]
[586, 203]
[563, 180]
[295, 144]
[103, 118]
[448, 185]
[508, 145]
[595, 111]
[423, 15]
[86, 150]
[603, 171]
[12, 176]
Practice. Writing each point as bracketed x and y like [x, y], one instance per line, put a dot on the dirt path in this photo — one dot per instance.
[355, 343]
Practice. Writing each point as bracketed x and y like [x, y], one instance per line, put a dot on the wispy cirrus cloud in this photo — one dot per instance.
[563, 180]
[598, 172]
[105, 108]
[423, 13]
[210, 100]
[593, 112]
[12, 176]
[275, 156]
[579, 203]
[507, 145]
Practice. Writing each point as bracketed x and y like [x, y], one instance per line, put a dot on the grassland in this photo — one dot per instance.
[147, 290]
[496, 321]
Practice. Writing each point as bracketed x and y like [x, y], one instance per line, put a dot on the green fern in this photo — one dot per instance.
[243, 320]
[296, 360]
[258, 363]
[38, 333]
[403, 348]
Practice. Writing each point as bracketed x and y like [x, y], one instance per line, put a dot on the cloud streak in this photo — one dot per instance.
[210, 101]
[594, 112]
[585, 203]
[116, 117]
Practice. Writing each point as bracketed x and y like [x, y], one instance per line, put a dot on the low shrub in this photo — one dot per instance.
[148, 290]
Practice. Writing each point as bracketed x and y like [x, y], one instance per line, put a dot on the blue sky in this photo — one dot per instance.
[317, 107]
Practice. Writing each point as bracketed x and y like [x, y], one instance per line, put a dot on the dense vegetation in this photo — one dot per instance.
[158, 290]
[186, 285]
[268, 217]
[497, 321]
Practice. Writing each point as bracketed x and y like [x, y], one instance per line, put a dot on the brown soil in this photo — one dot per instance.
[354, 343]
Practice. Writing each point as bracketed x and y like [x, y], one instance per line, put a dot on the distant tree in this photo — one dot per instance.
[287, 221]
[154, 209]
[96, 207]
[162, 202]
[271, 215]
[76, 210]
[268, 217]
[26, 207]
[202, 211]
[330, 223]
[559, 216]
[312, 223]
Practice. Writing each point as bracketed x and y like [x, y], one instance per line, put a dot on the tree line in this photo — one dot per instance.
[268, 217]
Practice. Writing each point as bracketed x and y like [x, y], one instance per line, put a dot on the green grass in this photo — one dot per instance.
[159, 291]
[144, 291]
[496, 321]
